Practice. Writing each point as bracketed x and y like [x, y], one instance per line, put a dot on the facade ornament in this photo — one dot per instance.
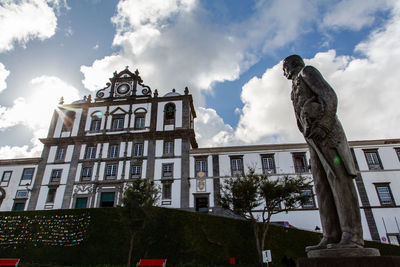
[156, 93]
[186, 90]
[83, 188]
[61, 101]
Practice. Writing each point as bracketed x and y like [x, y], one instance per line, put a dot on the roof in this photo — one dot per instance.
[254, 148]
[20, 161]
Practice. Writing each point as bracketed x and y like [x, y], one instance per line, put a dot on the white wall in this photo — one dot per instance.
[14, 184]
[60, 189]
[386, 221]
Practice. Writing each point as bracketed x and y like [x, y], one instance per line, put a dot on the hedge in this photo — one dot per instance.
[181, 237]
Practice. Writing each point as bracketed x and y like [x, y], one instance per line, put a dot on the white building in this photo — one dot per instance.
[95, 148]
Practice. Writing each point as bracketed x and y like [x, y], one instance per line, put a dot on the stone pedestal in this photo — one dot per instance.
[347, 257]
[343, 252]
[384, 261]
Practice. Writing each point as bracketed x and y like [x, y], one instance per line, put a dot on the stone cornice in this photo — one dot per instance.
[20, 161]
[291, 146]
[159, 135]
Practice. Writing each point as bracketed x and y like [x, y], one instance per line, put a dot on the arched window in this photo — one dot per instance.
[69, 119]
[95, 123]
[140, 118]
[169, 114]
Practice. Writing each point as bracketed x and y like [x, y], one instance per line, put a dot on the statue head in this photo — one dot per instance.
[292, 65]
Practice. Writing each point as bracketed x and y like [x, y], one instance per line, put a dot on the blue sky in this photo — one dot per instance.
[228, 53]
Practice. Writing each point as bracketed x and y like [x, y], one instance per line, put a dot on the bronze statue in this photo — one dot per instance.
[332, 165]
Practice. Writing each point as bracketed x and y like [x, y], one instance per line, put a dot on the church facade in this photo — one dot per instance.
[95, 147]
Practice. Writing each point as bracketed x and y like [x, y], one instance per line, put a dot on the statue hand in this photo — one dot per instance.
[317, 134]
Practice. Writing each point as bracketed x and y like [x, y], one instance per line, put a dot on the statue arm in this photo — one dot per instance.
[324, 92]
[319, 111]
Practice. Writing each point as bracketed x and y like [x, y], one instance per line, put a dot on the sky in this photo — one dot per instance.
[228, 52]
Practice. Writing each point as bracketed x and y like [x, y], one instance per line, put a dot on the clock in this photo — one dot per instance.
[123, 89]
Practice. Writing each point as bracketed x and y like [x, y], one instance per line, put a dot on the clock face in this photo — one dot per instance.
[123, 89]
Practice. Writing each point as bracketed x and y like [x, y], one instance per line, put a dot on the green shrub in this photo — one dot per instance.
[183, 238]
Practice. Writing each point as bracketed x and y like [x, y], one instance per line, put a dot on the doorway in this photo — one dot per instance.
[202, 204]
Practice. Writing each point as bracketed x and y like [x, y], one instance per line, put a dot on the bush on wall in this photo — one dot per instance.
[179, 236]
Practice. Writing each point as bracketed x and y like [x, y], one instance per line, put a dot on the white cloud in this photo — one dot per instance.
[97, 75]
[174, 45]
[211, 130]
[35, 111]
[267, 112]
[167, 42]
[69, 31]
[277, 23]
[3, 76]
[21, 21]
[8, 152]
[355, 14]
[367, 89]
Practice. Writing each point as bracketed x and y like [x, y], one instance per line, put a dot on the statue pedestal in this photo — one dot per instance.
[343, 252]
[347, 257]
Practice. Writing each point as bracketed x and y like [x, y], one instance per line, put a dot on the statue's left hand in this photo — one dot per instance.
[317, 134]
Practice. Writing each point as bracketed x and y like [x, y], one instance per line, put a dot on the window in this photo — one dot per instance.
[113, 151]
[86, 174]
[18, 206]
[300, 163]
[55, 176]
[117, 123]
[81, 202]
[169, 114]
[268, 164]
[51, 195]
[373, 160]
[166, 190]
[95, 125]
[394, 239]
[6, 176]
[168, 147]
[27, 176]
[398, 152]
[136, 171]
[309, 203]
[201, 167]
[236, 166]
[111, 171]
[139, 120]
[138, 150]
[69, 119]
[61, 153]
[385, 194]
[107, 199]
[90, 152]
[167, 171]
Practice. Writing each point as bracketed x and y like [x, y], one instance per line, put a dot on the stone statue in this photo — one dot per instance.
[332, 165]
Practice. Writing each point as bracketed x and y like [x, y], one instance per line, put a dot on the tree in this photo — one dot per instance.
[138, 198]
[257, 197]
